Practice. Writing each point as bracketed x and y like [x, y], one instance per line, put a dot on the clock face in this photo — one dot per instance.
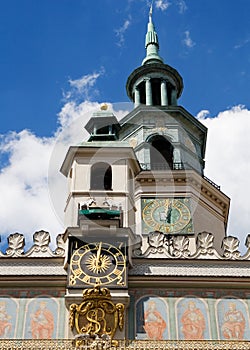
[171, 215]
[98, 263]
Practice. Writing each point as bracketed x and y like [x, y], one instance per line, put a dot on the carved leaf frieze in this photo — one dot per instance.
[16, 244]
[177, 247]
[231, 247]
[181, 247]
[40, 248]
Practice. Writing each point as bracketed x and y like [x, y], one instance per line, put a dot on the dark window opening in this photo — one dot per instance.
[161, 153]
[169, 93]
[142, 92]
[101, 176]
[103, 131]
[156, 91]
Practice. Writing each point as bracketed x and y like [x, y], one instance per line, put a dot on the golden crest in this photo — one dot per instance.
[97, 315]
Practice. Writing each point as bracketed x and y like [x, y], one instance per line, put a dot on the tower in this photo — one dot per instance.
[137, 192]
[172, 192]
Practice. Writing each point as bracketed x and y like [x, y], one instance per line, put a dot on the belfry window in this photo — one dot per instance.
[101, 176]
[161, 153]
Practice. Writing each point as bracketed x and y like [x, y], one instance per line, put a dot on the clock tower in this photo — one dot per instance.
[172, 195]
[137, 190]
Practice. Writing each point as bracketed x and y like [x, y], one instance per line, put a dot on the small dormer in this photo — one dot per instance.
[103, 125]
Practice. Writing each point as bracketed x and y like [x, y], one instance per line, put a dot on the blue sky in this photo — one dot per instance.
[44, 43]
[60, 58]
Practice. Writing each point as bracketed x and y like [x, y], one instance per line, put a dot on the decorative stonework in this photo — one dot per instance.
[160, 245]
[62, 344]
[40, 248]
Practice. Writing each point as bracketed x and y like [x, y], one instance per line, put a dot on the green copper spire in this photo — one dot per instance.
[151, 42]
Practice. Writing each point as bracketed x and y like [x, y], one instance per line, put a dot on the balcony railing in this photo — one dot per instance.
[211, 182]
[174, 166]
[162, 166]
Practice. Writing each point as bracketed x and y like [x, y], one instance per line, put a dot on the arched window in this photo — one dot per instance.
[101, 176]
[161, 153]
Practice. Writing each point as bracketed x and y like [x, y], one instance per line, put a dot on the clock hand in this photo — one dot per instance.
[168, 215]
[98, 255]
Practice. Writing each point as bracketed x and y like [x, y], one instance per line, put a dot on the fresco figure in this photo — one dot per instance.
[193, 322]
[42, 322]
[234, 323]
[5, 325]
[154, 322]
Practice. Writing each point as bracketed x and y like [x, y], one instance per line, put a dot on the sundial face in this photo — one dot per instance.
[167, 215]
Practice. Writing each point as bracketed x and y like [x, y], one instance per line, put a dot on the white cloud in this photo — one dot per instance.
[162, 4]
[121, 31]
[182, 6]
[242, 43]
[83, 87]
[203, 114]
[24, 201]
[187, 40]
[228, 165]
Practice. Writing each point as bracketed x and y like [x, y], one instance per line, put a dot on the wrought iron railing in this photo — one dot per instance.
[162, 166]
[126, 345]
[211, 182]
[174, 166]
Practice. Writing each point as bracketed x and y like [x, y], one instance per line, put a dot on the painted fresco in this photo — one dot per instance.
[208, 315]
[8, 314]
[41, 321]
[152, 319]
[192, 318]
[232, 319]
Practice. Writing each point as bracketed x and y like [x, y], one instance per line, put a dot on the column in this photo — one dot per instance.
[137, 97]
[20, 331]
[164, 96]
[148, 92]
[172, 315]
[211, 309]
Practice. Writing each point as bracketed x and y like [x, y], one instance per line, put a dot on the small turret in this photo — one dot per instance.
[154, 83]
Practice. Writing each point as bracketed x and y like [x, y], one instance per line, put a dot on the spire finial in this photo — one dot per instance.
[151, 12]
[151, 43]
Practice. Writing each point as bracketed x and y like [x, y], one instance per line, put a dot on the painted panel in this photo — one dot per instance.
[8, 313]
[152, 319]
[232, 319]
[41, 319]
[191, 314]
[30, 315]
[192, 319]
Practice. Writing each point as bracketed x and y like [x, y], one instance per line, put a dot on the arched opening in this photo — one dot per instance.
[161, 153]
[101, 176]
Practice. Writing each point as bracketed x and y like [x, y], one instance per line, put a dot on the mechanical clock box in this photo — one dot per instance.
[167, 215]
[97, 262]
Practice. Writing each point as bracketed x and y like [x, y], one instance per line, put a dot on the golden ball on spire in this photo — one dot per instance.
[104, 107]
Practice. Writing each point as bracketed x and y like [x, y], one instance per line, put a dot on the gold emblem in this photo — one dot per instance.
[97, 315]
